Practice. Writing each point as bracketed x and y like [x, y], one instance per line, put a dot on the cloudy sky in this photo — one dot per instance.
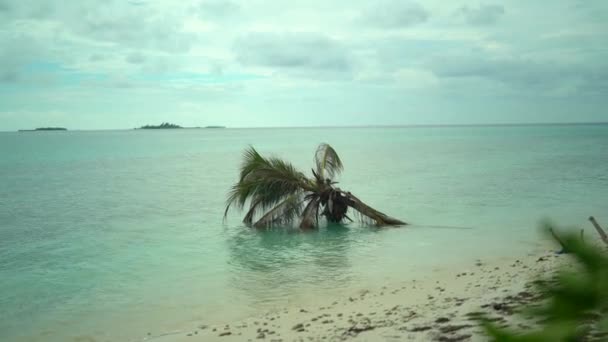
[91, 64]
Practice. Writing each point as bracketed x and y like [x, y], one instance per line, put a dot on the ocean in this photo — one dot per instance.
[119, 235]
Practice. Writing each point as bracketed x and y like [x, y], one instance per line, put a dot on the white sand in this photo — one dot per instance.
[433, 308]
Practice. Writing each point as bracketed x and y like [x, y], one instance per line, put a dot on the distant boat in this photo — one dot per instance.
[44, 129]
[215, 127]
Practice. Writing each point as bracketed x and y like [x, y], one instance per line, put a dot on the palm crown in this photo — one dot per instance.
[279, 195]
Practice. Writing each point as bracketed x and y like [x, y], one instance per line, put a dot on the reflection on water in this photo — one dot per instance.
[280, 262]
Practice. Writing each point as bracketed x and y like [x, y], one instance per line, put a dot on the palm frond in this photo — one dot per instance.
[251, 161]
[369, 214]
[328, 162]
[264, 182]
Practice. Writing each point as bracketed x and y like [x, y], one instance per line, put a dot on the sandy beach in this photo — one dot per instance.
[439, 307]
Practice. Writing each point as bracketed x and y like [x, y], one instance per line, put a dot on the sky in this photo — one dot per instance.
[113, 64]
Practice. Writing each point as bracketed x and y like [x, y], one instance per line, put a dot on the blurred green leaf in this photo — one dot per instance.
[575, 301]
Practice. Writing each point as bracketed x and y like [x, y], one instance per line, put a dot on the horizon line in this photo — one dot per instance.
[513, 124]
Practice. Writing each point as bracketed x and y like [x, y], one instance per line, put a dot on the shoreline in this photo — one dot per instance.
[438, 307]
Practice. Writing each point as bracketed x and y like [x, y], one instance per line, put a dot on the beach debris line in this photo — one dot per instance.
[280, 195]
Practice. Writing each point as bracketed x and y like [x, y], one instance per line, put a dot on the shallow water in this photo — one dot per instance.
[114, 234]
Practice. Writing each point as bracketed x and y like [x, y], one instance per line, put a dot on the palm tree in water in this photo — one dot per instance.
[280, 195]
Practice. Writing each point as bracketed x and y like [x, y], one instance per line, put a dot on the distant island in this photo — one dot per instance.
[44, 129]
[164, 125]
[167, 125]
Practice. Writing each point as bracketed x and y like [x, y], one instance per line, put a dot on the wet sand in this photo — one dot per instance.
[440, 307]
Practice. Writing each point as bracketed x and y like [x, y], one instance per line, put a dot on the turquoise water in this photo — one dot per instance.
[111, 235]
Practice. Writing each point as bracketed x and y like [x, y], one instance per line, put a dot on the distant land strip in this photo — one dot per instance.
[44, 129]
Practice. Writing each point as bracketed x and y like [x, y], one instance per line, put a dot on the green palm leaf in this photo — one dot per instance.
[263, 183]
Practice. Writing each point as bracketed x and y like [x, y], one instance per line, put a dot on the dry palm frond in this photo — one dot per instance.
[328, 162]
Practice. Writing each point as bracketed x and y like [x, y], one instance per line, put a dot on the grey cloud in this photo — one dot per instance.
[146, 25]
[96, 58]
[592, 10]
[132, 30]
[596, 82]
[135, 58]
[519, 71]
[215, 8]
[293, 51]
[393, 53]
[395, 14]
[522, 74]
[8, 76]
[4, 6]
[17, 53]
[483, 15]
[42, 10]
[217, 69]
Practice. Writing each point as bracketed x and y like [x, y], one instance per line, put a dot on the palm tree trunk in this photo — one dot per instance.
[309, 216]
[248, 220]
[379, 218]
[287, 208]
